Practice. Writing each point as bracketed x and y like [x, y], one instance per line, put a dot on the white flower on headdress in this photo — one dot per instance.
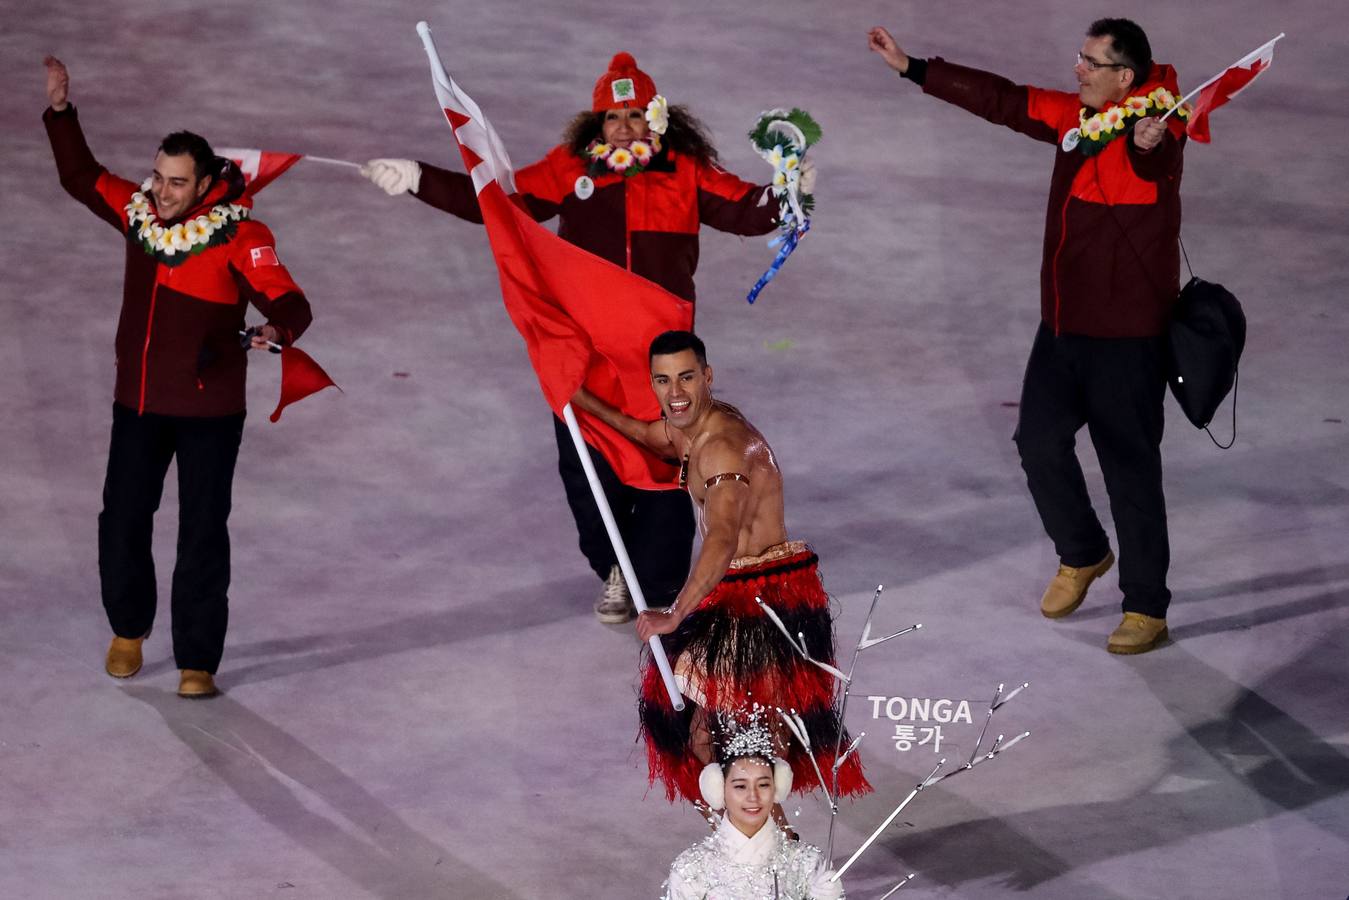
[641, 151]
[658, 114]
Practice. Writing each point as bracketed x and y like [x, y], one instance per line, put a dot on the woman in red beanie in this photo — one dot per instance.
[633, 181]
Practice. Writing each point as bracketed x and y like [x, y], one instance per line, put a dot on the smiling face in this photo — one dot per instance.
[175, 185]
[1101, 78]
[620, 127]
[682, 385]
[749, 794]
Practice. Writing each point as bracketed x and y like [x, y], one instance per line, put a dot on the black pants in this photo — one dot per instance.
[138, 459]
[1114, 386]
[656, 526]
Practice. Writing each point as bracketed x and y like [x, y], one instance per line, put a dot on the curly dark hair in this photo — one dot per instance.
[685, 134]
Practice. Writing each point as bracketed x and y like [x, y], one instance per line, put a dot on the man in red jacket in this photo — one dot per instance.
[633, 182]
[1108, 279]
[194, 260]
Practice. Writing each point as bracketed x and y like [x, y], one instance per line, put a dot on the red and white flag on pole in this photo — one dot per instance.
[260, 167]
[584, 320]
[1224, 86]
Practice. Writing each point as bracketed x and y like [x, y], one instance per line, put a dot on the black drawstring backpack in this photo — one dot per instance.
[1208, 333]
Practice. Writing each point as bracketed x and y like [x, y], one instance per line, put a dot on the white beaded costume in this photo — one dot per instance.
[729, 866]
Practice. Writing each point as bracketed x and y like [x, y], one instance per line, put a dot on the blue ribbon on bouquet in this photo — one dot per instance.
[788, 242]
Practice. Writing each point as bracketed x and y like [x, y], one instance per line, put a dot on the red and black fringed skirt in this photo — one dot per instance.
[728, 654]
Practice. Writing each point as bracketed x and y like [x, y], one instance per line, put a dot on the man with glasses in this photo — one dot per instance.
[1109, 276]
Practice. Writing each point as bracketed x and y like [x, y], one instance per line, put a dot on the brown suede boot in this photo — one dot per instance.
[1068, 588]
[124, 657]
[195, 684]
[1137, 633]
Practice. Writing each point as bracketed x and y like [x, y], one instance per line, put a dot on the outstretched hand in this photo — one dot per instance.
[58, 83]
[881, 41]
[656, 621]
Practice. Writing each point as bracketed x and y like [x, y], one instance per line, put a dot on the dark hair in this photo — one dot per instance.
[670, 342]
[684, 134]
[728, 761]
[185, 143]
[1128, 43]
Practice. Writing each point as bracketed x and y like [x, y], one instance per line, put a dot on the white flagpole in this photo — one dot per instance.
[620, 551]
[331, 162]
[1182, 100]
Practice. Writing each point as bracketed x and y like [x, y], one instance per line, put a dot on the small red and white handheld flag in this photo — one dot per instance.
[260, 167]
[300, 377]
[1224, 86]
[585, 321]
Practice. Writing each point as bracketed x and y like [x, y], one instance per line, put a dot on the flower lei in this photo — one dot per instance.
[633, 159]
[174, 245]
[1093, 133]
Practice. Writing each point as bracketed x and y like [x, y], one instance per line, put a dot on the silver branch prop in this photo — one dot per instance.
[799, 642]
[798, 729]
[907, 879]
[864, 642]
[975, 759]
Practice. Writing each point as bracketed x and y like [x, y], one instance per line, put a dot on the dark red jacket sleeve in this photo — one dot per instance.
[79, 171]
[1163, 162]
[729, 204]
[266, 283]
[453, 192]
[997, 99]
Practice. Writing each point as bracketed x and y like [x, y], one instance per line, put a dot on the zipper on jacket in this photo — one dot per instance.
[1054, 269]
[145, 351]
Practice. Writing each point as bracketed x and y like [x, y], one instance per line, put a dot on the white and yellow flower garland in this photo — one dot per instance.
[174, 244]
[628, 160]
[634, 158]
[1094, 132]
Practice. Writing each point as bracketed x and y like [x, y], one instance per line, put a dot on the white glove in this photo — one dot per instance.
[806, 185]
[394, 176]
[821, 888]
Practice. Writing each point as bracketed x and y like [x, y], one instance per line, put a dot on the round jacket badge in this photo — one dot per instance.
[1070, 139]
[584, 187]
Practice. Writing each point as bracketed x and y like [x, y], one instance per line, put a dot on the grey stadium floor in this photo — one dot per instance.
[417, 701]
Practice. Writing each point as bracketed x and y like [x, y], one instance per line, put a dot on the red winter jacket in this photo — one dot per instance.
[177, 343]
[647, 223]
[1111, 265]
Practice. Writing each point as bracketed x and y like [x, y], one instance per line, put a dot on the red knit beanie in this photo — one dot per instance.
[622, 86]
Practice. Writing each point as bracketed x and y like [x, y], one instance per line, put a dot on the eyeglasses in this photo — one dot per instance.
[1092, 65]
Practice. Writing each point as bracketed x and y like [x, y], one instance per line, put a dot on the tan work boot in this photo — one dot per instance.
[194, 683]
[1137, 633]
[1068, 588]
[614, 606]
[124, 657]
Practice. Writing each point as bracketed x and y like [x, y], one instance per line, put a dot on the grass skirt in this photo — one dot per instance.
[727, 653]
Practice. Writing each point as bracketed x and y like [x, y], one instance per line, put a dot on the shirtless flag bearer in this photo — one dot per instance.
[578, 313]
[726, 651]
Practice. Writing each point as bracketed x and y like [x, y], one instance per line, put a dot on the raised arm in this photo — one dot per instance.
[1032, 111]
[81, 174]
[652, 435]
[454, 192]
